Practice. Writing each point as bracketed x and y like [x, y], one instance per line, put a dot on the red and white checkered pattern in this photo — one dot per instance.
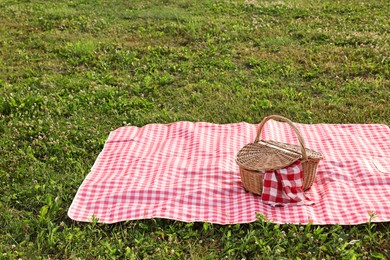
[187, 171]
[283, 187]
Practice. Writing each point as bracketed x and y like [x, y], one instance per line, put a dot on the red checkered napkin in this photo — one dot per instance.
[284, 186]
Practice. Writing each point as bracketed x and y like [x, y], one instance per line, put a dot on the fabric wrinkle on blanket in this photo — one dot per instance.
[284, 187]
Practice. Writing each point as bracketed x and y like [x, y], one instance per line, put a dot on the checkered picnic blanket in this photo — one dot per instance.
[187, 171]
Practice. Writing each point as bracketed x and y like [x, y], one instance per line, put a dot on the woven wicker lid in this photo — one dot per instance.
[311, 154]
[266, 156]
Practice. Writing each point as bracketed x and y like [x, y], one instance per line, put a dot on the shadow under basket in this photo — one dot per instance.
[265, 155]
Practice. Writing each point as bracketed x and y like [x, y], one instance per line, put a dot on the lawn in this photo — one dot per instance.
[72, 71]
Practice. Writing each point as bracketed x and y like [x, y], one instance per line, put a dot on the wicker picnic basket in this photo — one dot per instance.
[264, 155]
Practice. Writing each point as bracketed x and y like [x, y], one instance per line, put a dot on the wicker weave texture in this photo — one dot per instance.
[263, 155]
[252, 180]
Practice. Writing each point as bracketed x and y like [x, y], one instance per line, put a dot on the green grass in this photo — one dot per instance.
[72, 71]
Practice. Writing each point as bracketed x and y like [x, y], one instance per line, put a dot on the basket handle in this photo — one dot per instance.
[281, 118]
